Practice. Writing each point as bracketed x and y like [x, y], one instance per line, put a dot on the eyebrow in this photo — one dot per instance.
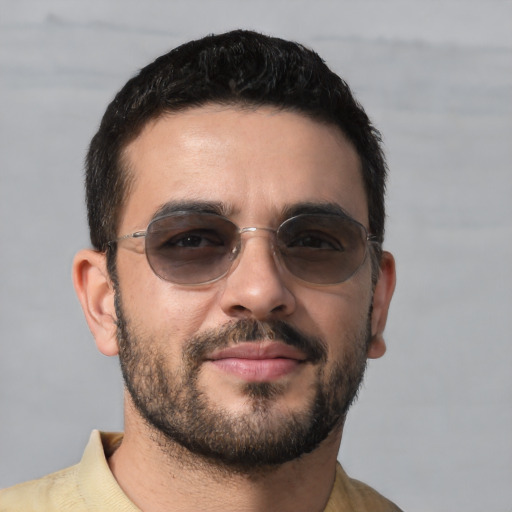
[324, 208]
[220, 208]
[216, 207]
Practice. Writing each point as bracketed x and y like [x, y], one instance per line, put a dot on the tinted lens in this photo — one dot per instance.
[190, 248]
[197, 248]
[322, 249]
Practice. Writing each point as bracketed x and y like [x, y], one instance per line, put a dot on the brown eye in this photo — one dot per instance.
[315, 241]
[195, 239]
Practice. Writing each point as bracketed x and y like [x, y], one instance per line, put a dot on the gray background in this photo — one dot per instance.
[433, 426]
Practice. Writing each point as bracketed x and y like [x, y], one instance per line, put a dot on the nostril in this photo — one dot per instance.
[278, 309]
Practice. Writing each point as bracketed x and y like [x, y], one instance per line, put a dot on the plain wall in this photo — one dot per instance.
[433, 426]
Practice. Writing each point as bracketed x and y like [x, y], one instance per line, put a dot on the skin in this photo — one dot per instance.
[256, 162]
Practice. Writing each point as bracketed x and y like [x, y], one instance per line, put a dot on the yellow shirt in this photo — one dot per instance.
[90, 486]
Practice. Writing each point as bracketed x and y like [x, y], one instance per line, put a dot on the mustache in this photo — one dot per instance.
[240, 331]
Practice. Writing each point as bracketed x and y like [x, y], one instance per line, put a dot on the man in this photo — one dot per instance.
[235, 198]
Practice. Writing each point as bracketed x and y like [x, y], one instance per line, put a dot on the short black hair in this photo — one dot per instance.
[239, 68]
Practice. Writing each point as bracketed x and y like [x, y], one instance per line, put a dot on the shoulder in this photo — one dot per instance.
[57, 491]
[349, 494]
[372, 498]
[88, 486]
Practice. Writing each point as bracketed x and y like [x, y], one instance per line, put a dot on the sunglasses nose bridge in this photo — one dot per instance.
[253, 232]
[247, 233]
[244, 234]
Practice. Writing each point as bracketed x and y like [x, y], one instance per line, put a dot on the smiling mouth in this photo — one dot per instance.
[258, 361]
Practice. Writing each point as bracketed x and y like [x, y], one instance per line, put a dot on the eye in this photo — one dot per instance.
[318, 240]
[194, 240]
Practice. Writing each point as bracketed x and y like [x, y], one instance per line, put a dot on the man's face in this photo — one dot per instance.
[257, 367]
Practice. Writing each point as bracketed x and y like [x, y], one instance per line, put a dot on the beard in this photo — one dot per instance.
[174, 407]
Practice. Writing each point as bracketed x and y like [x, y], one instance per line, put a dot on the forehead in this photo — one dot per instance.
[256, 162]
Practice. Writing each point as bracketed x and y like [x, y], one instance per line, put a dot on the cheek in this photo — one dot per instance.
[160, 309]
[339, 316]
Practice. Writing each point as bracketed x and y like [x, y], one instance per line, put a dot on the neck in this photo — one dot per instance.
[160, 476]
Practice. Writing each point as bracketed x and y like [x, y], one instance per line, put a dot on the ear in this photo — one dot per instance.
[96, 295]
[381, 299]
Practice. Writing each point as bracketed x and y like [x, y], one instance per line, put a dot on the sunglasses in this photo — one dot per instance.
[194, 248]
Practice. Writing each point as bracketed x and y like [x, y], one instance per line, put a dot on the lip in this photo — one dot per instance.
[255, 350]
[258, 361]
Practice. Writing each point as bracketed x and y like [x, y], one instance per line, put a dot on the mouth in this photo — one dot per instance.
[262, 361]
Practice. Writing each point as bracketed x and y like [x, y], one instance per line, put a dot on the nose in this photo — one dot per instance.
[256, 288]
